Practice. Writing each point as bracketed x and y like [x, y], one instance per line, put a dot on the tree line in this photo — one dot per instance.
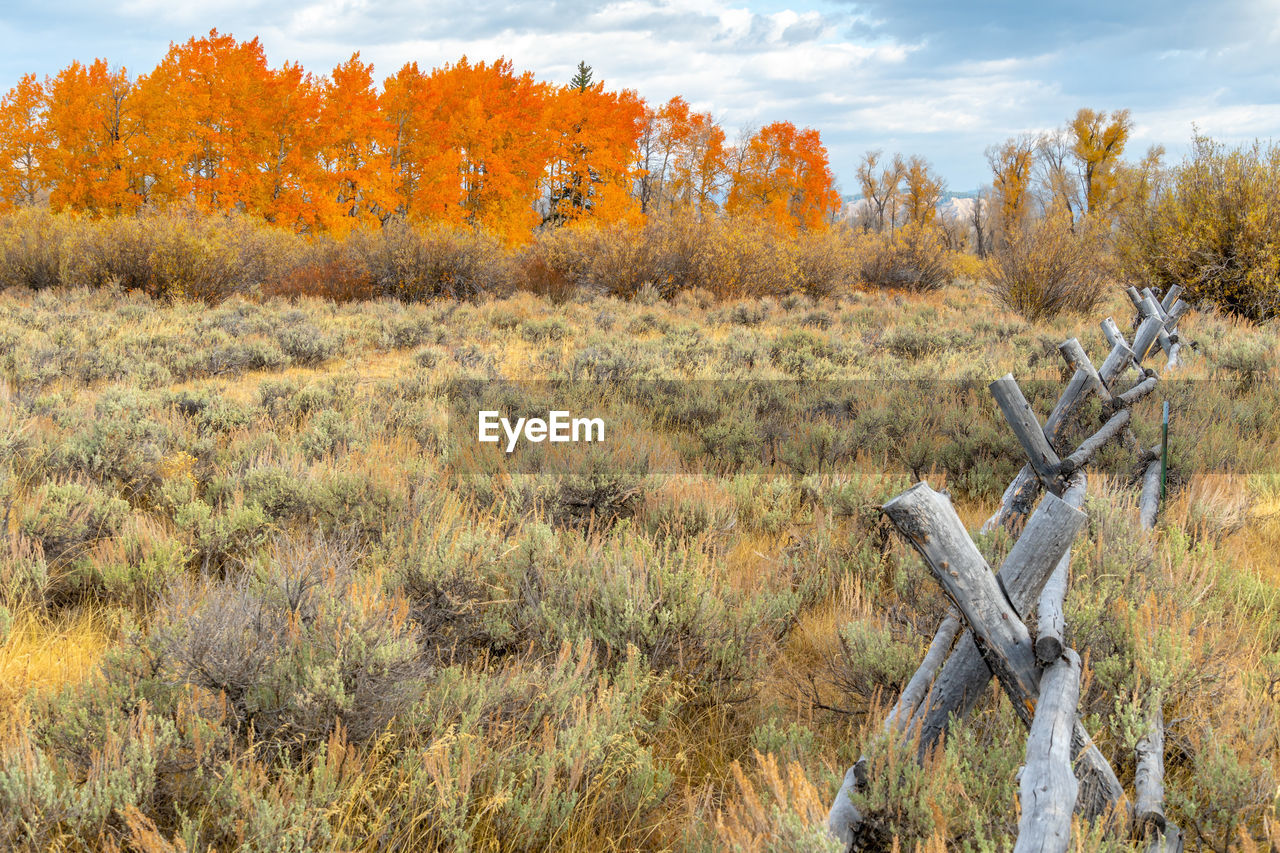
[475, 143]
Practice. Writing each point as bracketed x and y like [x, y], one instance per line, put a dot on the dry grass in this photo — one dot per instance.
[578, 696]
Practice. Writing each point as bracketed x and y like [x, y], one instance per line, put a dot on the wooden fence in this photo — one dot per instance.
[984, 635]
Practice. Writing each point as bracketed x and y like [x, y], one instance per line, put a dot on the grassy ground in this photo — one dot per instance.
[262, 593]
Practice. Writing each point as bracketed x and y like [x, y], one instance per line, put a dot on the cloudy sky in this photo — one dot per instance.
[935, 77]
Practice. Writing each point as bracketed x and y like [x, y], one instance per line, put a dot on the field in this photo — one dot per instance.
[260, 591]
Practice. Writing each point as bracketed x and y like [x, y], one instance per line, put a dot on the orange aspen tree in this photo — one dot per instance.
[494, 145]
[91, 165]
[702, 169]
[356, 140]
[682, 159]
[24, 143]
[592, 137]
[424, 172]
[656, 152]
[783, 175]
[292, 179]
[207, 108]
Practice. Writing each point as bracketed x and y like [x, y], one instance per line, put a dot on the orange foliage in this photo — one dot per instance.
[291, 167]
[783, 175]
[215, 129]
[92, 120]
[593, 135]
[359, 186]
[206, 108]
[683, 159]
[24, 143]
[490, 121]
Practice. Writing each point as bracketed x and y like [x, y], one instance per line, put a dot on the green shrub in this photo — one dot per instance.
[67, 516]
[31, 248]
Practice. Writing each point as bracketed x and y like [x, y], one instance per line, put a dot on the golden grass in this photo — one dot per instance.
[44, 654]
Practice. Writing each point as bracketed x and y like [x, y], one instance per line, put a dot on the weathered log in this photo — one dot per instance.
[1175, 313]
[918, 687]
[1035, 555]
[1025, 425]
[1021, 493]
[1048, 786]
[1094, 443]
[1154, 308]
[1148, 779]
[1149, 501]
[1134, 296]
[1170, 297]
[1077, 358]
[1168, 841]
[1051, 622]
[1145, 338]
[927, 520]
[1112, 333]
[844, 816]
[1085, 379]
[1120, 359]
[1137, 392]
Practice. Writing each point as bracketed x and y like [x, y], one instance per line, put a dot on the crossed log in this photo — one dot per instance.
[1056, 781]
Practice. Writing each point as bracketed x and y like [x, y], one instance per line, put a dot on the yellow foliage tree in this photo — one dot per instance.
[1011, 164]
[1098, 141]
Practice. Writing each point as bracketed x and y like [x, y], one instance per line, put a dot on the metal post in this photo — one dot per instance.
[1164, 449]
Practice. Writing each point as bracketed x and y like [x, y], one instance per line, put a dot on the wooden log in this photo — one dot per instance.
[1137, 392]
[843, 817]
[1175, 313]
[1051, 622]
[1168, 841]
[1120, 359]
[1134, 296]
[1016, 501]
[1147, 335]
[1170, 297]
[1048, 787]
[1148, 779]
[1021, 493]
[1112, 333]
[1025, 425]
[1149, 501]
[914, 693]
[1077, 358]
[1153, 307]
[1094, 443]
[928, 521]
[965, 676]
[1084, 380]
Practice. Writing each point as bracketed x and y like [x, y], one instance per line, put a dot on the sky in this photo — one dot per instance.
[938, 78]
